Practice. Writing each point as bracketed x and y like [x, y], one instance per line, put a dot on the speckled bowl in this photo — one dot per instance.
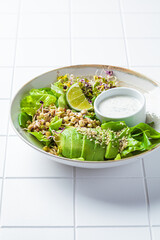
[126, 77]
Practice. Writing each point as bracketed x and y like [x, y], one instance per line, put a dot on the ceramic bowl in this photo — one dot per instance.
[126, 78]
[131, 120]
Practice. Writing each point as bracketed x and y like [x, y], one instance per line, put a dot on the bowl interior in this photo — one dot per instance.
[126, 78]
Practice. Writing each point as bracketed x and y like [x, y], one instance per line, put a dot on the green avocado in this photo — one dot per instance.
[88, 149]
[66, 143]
[76, 145]
[113, 146]
[99, 152]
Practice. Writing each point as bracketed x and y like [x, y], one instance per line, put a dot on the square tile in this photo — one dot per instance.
[113, 233]
[96, 25]
[24, 74]
[11, 131]
[141, 6]
[44, 25]
[7, 50]
[154, 199]
[94, 6]
[8, 25]
[98, 51]
[151, 72]
[36, 233]
[43, 52]
[142, 25]
[152, 164]
[37, 202]
[45, 6]
[4, 106]
[9, 6]
[2, 154]
[101, 202]
[129, 170]
[156, 233]
[30, 163]
[5, 80]
[147, 50]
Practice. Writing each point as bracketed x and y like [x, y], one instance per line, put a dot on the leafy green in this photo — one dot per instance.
[141, 138]
[57, 91]
[47, 90]
[115, 126]
[118, 157]
[23, 118]
[141, 127]
[41, 137]
[62, 101]
[55, 124]
[31, 103]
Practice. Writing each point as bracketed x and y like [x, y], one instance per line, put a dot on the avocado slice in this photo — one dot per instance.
[99, 152]
[66, 143]
[87, 149]
[113, 146]
[77, 143]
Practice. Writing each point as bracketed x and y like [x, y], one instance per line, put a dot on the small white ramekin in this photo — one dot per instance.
[130, 120]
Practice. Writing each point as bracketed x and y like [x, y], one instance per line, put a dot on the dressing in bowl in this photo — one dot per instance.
[121, 104]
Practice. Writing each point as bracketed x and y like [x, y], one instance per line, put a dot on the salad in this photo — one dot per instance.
[62, 118]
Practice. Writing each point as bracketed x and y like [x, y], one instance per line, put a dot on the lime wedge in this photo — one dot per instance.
[76, 99]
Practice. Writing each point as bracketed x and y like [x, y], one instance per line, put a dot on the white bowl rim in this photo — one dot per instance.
[143, 102]
[121, 69]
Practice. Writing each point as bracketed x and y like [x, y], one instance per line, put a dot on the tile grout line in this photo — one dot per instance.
[143, 169]
[147, 198]
[70, 31]
[87, 38]
[74, 169]
[82, 177]
[77, 12]
[2, 188]
[74, 201]
[124, 33]
[78, 227]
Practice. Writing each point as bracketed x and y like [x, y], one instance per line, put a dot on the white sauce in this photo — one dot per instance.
[119, 106]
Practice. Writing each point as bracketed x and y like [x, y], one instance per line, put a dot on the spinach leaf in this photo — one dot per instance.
[115, 126]
[141, 127]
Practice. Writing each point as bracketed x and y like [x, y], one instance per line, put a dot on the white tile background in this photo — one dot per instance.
[40, 199]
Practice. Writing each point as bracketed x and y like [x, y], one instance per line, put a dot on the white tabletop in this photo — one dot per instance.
[41, 199]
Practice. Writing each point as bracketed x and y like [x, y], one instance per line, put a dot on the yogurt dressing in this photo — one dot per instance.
[119, 106]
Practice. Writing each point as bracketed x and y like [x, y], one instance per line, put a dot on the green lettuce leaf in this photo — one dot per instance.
[23, 118]
[31, 103]
[55, 124]
[57, 91]
[41, 137]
